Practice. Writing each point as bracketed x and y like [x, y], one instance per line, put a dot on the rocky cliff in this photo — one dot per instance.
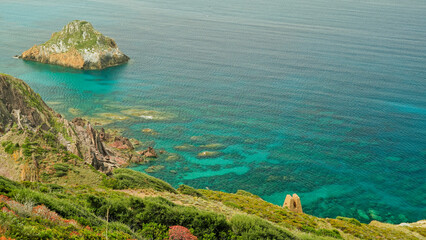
[36, 137]
[77, 45]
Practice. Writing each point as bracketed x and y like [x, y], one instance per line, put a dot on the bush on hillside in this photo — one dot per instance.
[251, 227]
[187, 190]
[126, 178]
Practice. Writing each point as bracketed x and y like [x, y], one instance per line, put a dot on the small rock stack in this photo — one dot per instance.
[293, 203]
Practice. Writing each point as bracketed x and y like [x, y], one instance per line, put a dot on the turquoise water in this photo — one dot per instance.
[322, 98]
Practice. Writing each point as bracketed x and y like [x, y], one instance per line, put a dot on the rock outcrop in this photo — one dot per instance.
[20, 105]
[77, 45]
[24, 109]
[122, 143]
[293, 203]
[150, 152]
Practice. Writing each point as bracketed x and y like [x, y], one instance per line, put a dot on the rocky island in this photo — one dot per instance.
[78, 45]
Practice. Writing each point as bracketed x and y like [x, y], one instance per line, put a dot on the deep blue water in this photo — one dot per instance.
[322, 98]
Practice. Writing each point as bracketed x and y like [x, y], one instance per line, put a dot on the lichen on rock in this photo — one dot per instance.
[77, 45]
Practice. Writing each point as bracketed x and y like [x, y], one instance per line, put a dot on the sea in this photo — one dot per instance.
[325, 98]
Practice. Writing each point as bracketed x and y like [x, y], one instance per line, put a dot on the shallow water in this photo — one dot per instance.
[325, 99]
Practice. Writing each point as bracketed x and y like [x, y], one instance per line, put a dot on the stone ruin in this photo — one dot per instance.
[293, 203]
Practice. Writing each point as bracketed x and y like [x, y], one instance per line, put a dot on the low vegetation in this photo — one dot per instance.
[128, 179]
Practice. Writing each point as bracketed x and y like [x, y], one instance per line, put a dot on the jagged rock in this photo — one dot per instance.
[79, 122]
[122, 143]
[77, 45]
[150, 152]
[293, 203]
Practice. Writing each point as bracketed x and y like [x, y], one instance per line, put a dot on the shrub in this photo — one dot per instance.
[349, 220]
[50, 139]
[66, 208]
[127, 178]
[31, 147]
[322, 232]
[180, 233]
[162, 211]
[43, 212]
[251, 227]
[6, 185]
[187, 190]
[61, 169]
[245, 193]
[154, 231]
[10, 147]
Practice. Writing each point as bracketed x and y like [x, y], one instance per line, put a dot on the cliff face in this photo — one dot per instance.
[20, 105]
[34, 135]
[77, 45]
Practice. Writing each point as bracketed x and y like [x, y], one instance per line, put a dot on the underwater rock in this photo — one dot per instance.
[149, 114]
[293, 203]
[113, 116]
[186, 148]
[213, 146]
[196, 138]
[173, 157]
[74, 111]
[98, 121]
[149, 131]
[375, 215]
[363, 215]
[154, 168]
[209, 154]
